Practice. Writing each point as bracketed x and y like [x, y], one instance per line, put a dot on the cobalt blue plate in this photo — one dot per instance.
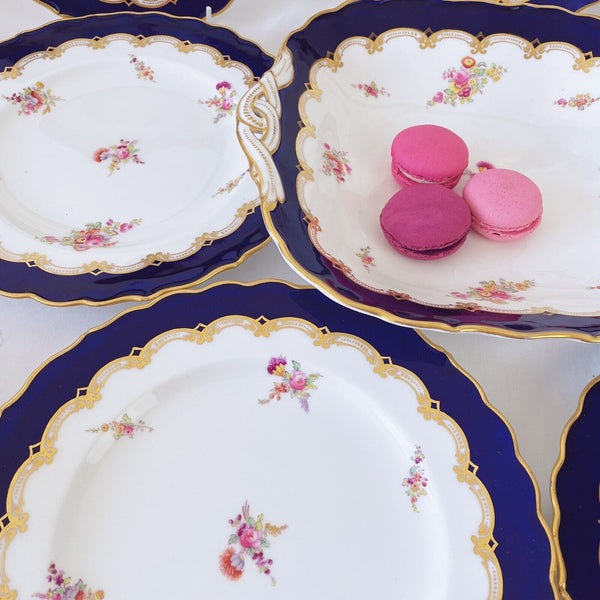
[181, 8]
[576, 499]
[19, 279]
[524, 548]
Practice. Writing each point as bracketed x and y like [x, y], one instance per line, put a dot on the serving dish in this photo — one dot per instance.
[183, 8]
[120, 170]
[519, 85]
[576, 499]
[367, 449]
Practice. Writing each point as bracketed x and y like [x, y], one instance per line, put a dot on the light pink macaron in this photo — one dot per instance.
[505, 205]
[428, 154]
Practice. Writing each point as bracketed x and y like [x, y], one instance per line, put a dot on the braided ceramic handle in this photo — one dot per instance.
[259, 129]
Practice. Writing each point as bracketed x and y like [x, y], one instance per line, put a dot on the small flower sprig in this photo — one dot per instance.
[143, 71]
[33, 99]
[250, 538]
[579, 101]
[63, 589]
[124, 427]
[335, 162]
[223, 102]
[416, 482]
[93, 235]
[295, 382]
[365, 258]
[118, 154]
[371, 90]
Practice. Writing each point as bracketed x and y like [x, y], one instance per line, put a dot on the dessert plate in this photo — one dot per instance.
[351, 79]
[273, 438]
[120, 170]
[183, 8]
[576, 500]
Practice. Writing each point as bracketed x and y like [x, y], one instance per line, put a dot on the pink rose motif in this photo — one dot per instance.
[298, 380]
[125, 227]
[249, 537]
[561, 102]
[122, 153]
[439, 97]
[460, 78]
[95, 240]
[500, 295]
[227, 103]
[464, 92]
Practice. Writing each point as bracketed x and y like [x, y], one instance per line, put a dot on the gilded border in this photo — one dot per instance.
[15, 520]
[35, 259]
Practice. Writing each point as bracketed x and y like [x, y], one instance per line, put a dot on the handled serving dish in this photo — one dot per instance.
[520, 85]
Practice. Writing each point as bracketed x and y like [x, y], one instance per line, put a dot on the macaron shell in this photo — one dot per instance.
[504, 236]
[425, 254]
[505, 204]
[428, 153]
[425, 221]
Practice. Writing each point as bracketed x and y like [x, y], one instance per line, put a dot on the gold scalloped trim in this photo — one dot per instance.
[425, 39]
[36, 259]
[15, 520]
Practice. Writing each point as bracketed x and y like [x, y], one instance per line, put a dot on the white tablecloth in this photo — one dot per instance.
[535, 384]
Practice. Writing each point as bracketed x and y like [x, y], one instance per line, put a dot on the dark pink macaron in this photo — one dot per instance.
[425, 221]
[428, 154]
[505, 205]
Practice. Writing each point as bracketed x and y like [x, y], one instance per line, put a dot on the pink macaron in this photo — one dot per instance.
[425, 221]
[428, 154]
[505, 205]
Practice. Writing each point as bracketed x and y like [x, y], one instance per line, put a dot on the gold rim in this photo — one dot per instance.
[562, 570]
[4, 520]
[62, 18]
[58, 13]
[137, 297]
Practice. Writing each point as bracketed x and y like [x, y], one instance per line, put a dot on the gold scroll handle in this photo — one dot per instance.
[259, 128]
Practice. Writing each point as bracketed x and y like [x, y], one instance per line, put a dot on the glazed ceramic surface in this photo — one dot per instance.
[184, 8]
[119, 161]
[523, 94]
[576, 498]
[280, 440]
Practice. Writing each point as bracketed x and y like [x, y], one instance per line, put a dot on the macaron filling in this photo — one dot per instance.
[400, 174]
[425, 252]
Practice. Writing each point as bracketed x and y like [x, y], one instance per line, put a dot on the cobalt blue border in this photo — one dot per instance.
[323, 35]
[577, 487]
[17, 278]
[524, 551]
[182, 8]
